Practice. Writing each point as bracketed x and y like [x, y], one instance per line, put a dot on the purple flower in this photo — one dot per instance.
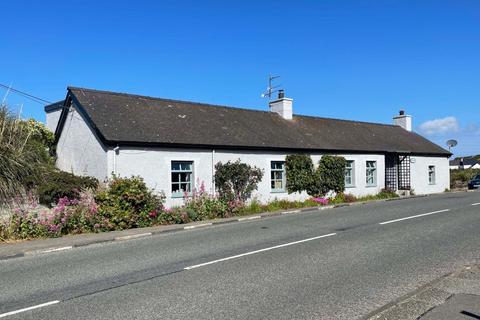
[322, 201]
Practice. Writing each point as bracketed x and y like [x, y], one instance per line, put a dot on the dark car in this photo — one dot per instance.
[474, 183]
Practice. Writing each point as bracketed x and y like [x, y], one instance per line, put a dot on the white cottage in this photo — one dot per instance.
[174, 145]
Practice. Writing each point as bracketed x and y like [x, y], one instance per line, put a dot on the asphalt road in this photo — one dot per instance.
[332, 264]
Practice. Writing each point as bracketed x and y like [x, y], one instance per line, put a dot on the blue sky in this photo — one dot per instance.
[361, 60]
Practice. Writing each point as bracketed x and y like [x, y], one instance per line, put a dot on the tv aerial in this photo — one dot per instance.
[451, 143]
[271, 88]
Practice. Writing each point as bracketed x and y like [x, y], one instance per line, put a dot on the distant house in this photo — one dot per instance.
[469, 162]
[174, 145]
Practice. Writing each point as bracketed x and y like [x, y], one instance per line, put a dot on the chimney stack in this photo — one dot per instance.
[282, 106]
[403, 120]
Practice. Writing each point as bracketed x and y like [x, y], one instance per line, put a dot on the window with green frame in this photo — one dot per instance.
[371, 176]
[278, 177]
[182, 178]
[350, 173]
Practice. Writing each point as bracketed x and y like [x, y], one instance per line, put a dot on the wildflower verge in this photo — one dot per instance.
[126, 203]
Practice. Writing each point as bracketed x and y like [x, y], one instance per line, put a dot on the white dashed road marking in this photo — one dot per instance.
[412, 217]
[257, 251]
[3, 315]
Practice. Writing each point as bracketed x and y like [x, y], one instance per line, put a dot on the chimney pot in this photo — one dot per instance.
[402, 112]
[281, 94]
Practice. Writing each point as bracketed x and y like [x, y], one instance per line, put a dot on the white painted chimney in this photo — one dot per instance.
[403, 120]
[283, 106]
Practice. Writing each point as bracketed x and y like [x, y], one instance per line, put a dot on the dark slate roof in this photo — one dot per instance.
[54, 106]
[127, 119]
[467, 161]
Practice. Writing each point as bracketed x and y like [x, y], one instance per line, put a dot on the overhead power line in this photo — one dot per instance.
[26, 95]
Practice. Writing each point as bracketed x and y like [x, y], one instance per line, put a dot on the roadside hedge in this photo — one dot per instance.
[60, 184]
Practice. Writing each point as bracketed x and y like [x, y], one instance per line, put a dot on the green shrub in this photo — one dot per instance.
[235, 181]
[299, 170]
[128, 203]
[329, 176]
[301, 175]
[59, 184]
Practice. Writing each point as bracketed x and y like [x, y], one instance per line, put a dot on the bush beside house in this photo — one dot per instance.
[329, 176]
[59, 184]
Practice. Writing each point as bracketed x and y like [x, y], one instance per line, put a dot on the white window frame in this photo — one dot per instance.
[431, 175]
[284, 177]
[371, 173]
[180, 194]
[351, 170]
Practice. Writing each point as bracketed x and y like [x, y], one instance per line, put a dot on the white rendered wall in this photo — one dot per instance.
[79, 151]
[419, 174]
[154, 166]
[52, 118]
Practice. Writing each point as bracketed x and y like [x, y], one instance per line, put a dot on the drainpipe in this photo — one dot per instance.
[116, 150]
[213, 172]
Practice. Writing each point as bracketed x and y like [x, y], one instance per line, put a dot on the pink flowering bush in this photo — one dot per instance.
[67, 217]
[201, 205]
[128, 203]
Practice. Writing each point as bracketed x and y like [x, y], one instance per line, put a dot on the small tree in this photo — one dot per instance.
[235, 181]
[299, 169]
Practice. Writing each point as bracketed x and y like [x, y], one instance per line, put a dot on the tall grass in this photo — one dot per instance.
[19, 160]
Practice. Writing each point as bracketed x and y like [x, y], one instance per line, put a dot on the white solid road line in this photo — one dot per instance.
[197, 226]
[57, 249]
[134, 236]
[3, 315]
[291, 211]
[249, 218]
[258, 251]
[412, 217]
[476, 204]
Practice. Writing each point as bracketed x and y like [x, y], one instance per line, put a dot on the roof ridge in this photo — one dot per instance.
[347, 120]
[222, 106]
[167, 99]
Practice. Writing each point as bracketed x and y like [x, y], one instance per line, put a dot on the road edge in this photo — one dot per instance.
[140, 233]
